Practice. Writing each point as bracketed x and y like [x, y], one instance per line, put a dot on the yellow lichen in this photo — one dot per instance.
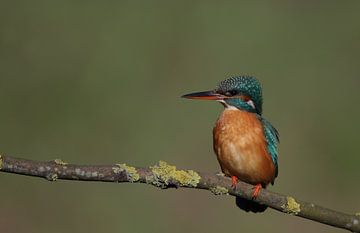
[218, 190]
[164, 174]
[1, 162]
[131, 172]
[60, 162]
[52, 177]
[291, 206]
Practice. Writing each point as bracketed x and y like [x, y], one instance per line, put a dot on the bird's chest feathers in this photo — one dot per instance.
[241, 147]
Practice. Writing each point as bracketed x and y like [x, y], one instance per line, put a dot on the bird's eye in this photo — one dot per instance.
[231, 93]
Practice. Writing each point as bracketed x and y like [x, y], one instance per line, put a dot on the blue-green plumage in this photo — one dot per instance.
[242, 85]
[272, 139]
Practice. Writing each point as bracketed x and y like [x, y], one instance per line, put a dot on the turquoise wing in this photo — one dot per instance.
[272, 138]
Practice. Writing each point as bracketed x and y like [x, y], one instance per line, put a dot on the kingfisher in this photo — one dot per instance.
[245, 143]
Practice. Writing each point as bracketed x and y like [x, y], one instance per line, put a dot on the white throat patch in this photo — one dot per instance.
[229, 107]
[249, 102]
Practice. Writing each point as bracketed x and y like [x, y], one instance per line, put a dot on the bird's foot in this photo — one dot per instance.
[256, 191]
[234, 181]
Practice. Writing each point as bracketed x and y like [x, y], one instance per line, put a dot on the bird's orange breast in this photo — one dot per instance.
[241, 147]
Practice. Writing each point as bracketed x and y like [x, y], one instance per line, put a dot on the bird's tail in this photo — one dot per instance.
[248, 205]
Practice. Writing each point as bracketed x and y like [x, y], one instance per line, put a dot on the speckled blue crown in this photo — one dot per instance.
[247, 85]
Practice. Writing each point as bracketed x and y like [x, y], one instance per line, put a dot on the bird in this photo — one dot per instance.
[245, 143]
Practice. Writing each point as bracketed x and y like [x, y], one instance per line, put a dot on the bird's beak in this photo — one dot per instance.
[204, 95]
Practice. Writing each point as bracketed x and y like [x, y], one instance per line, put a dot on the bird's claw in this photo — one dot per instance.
[234, 181]
[256, 191]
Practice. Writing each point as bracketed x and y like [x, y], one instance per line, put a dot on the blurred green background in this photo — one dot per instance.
[100, 82]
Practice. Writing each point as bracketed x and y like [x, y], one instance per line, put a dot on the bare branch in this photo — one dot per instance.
[164, 176]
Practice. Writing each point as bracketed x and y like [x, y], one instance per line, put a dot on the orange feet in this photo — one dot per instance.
[256, 191]
[234, 181]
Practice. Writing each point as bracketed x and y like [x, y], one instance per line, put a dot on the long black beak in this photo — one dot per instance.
[204, 95]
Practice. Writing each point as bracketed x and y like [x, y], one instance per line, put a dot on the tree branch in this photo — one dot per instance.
[164, 176]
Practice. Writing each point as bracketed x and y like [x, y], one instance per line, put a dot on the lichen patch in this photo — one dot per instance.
[165, 174]
[291, 206]
[60, 162]
[94, 174]
[78, 171]
[52, 177]
[218, 190]
[131, 172]
[355, 221]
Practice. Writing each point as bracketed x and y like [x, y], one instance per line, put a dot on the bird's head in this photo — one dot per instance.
[241, 92]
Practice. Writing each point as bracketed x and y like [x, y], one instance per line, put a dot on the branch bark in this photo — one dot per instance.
[164, 176]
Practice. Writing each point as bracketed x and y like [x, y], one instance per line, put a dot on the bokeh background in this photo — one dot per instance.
[99, 82]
